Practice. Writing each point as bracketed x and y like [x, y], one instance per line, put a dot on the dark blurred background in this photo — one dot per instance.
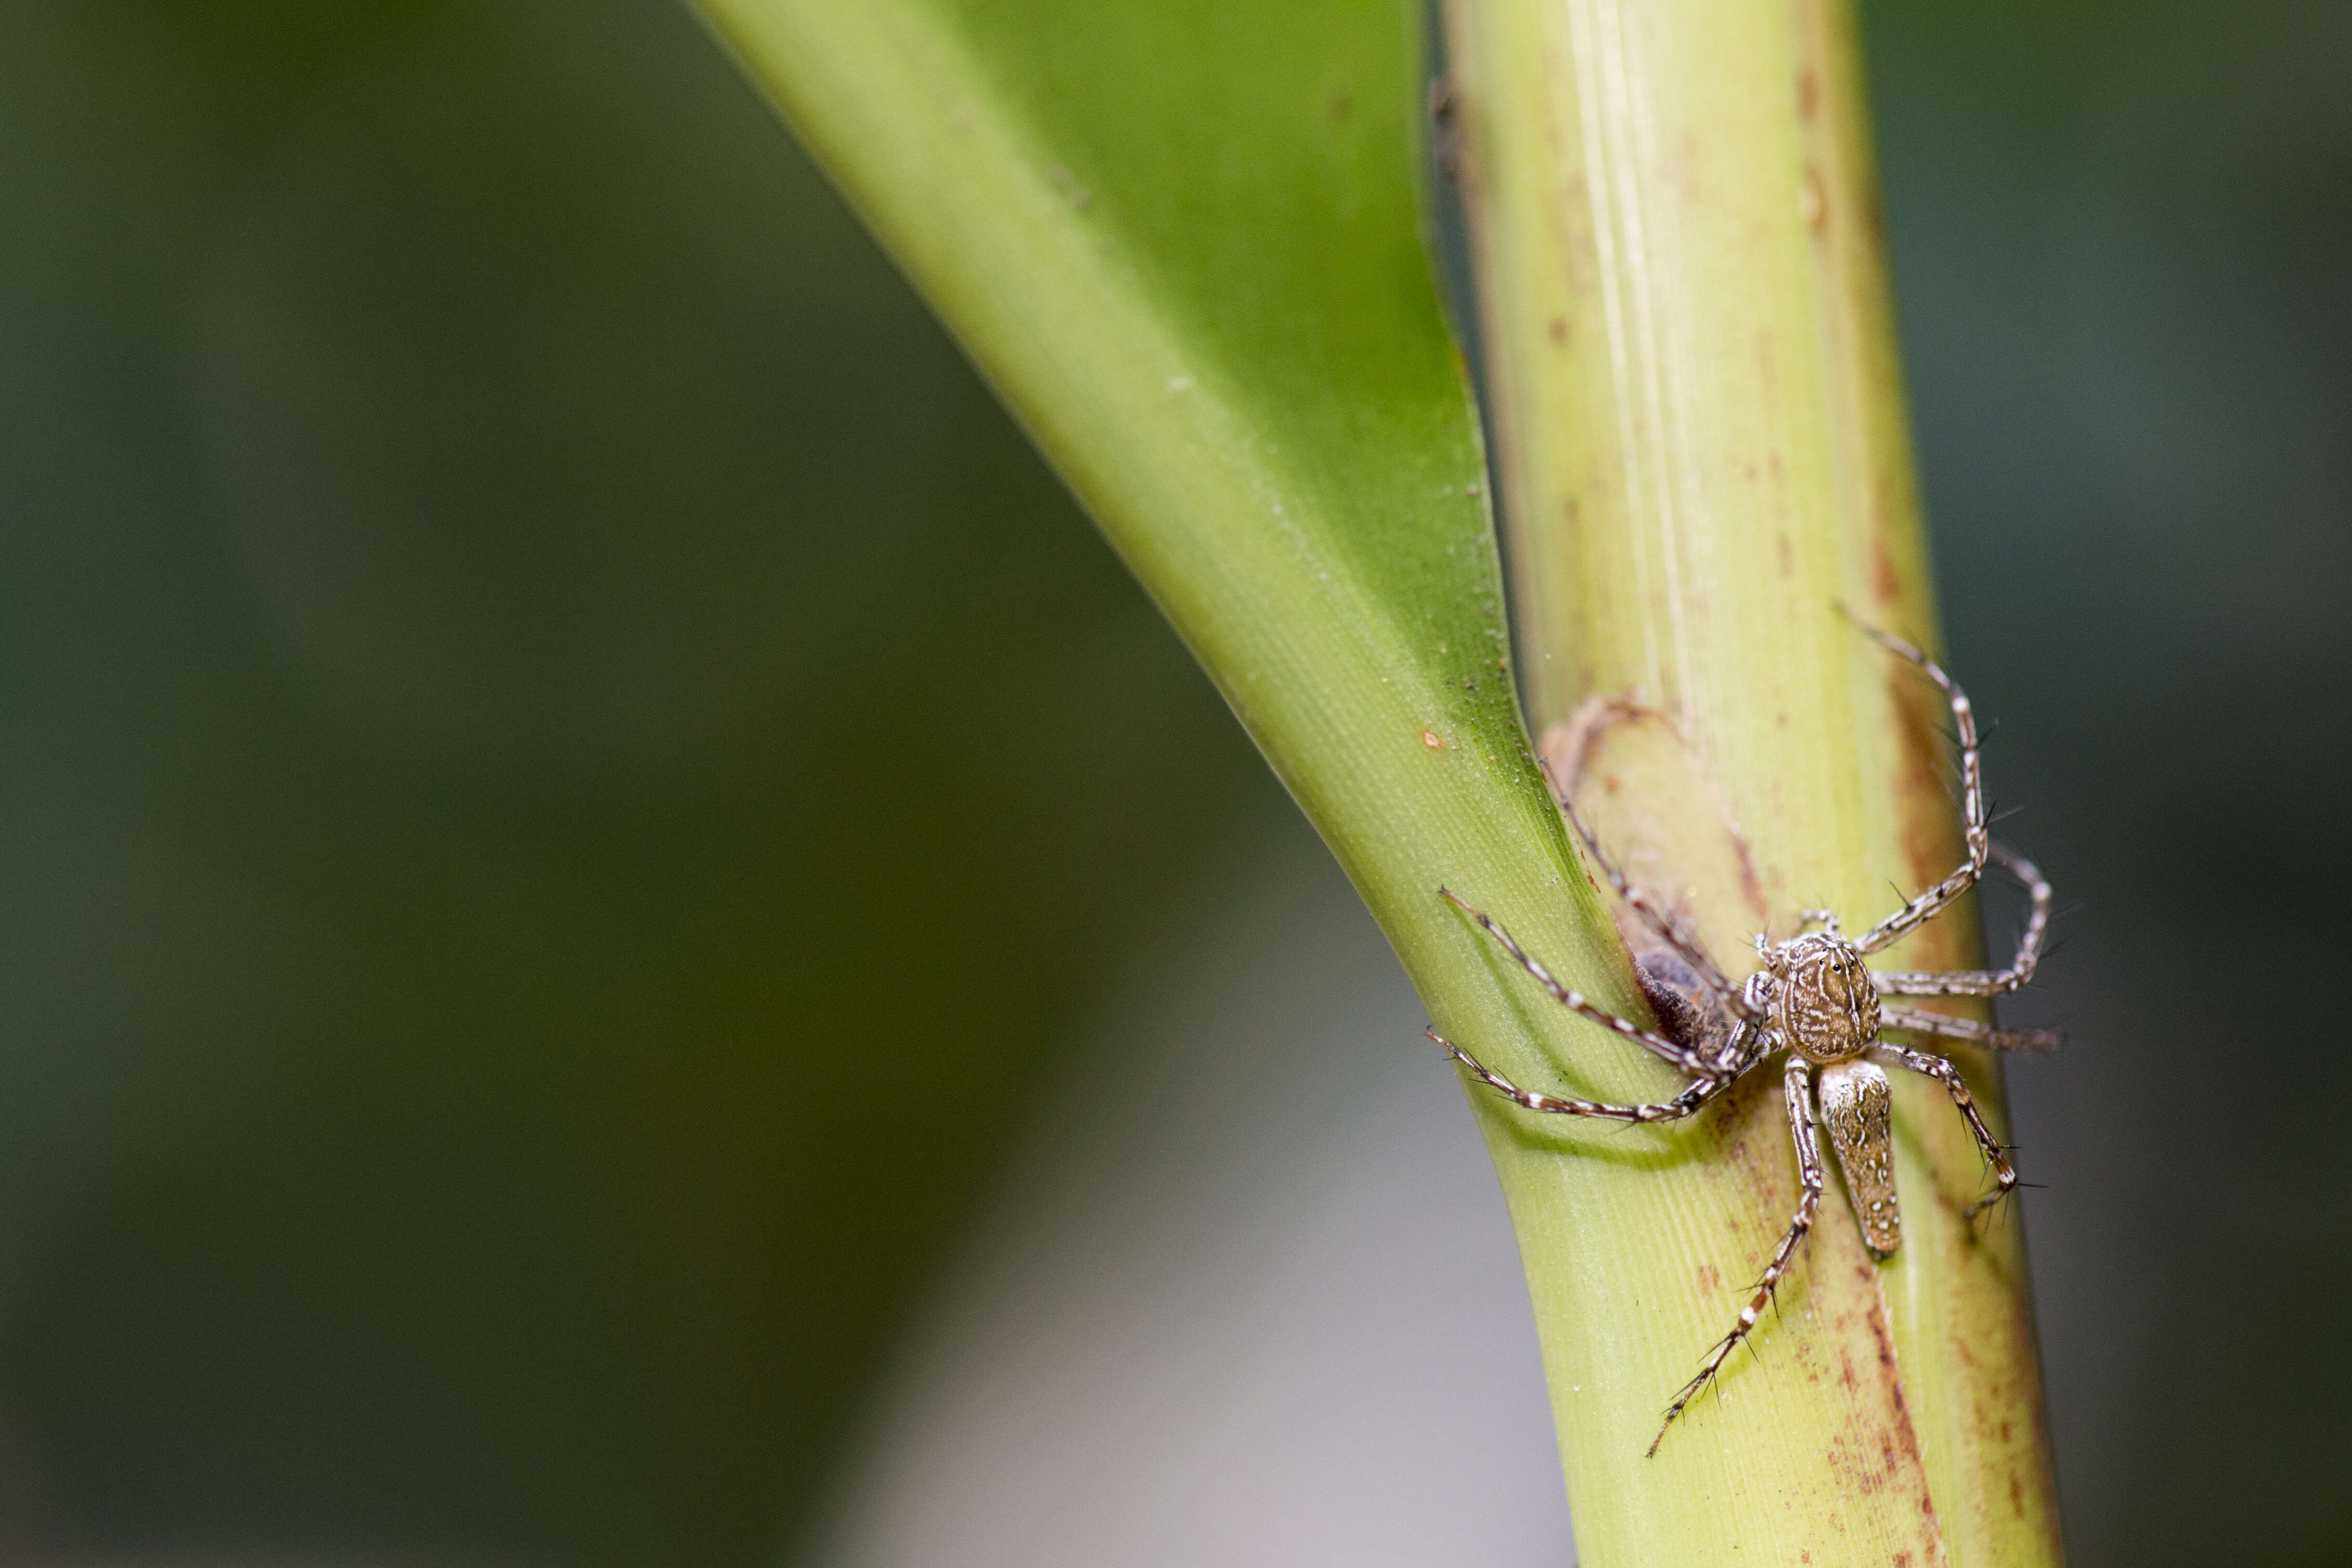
[535, 685]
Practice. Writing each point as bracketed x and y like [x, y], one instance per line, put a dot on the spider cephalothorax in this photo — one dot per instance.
[1821, 1000]
[1813, 1001]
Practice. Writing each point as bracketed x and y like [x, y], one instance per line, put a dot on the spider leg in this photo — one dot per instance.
[1797, 1080]
[1825, 918]
[1932, 1066]
[1927, 905]
[1696, 1063]
[1658, 920]
[1988, 982]
[1687, 1103]
[1749, 1044]
[1966, 1028]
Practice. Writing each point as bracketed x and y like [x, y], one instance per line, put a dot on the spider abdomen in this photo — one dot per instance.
[1857, 1108]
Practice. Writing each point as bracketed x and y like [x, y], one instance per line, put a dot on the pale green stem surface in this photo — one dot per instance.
[1703, 453]
[1182, 239]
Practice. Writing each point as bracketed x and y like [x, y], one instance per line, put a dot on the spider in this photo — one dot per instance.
[1812, 996]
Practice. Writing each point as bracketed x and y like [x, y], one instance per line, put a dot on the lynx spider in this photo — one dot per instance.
[1814, 998]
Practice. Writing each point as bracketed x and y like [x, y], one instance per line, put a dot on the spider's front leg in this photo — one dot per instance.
[1696, 1063]
[1656, 917]
[1924, 907]
[1686, 1104]
[1798, 1083]
[1986, 982]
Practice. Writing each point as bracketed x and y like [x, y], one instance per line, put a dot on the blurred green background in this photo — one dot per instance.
[538, 695]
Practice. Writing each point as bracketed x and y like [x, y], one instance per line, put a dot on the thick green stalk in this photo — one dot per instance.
[1703, 451]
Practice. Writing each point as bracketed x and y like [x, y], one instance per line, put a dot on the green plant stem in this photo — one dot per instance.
[1702, 449]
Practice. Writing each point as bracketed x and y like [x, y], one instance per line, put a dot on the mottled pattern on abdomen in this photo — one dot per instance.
[1857, 1110]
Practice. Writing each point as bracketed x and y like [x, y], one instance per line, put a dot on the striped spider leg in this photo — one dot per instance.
[1650, 912]
[1812, 996]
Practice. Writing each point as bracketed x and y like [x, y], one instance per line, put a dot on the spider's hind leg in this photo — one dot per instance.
[1924, 1022]
[1798, 1084]
[1928, 1064]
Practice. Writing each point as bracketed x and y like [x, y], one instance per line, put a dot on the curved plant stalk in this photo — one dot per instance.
[1193, 271]
[1703, 453]
[1180, 237]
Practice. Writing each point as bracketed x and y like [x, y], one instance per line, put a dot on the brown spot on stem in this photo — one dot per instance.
[1885, 580]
